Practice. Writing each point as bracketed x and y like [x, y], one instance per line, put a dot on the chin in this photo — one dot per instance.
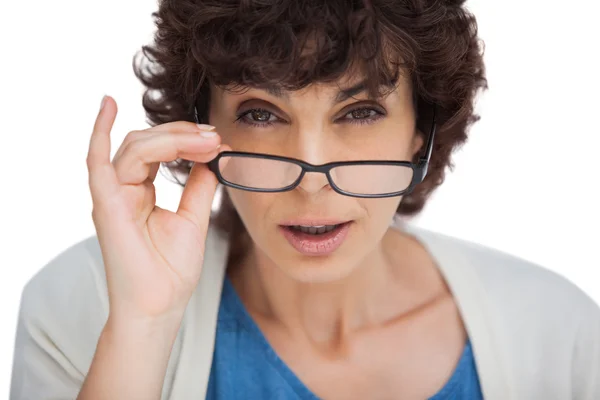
[327, 269]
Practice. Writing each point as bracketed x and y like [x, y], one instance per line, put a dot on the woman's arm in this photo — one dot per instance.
[130, 361]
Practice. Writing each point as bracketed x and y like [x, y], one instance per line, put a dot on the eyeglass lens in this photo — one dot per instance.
[268, 174]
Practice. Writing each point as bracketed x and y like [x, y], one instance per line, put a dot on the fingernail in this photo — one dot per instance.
[103, 102]
[208, 134]
[204, 127]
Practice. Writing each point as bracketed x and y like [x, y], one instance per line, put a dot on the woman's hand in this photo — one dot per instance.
[152, 256]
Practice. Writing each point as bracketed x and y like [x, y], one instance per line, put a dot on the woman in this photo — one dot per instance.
[326, 123]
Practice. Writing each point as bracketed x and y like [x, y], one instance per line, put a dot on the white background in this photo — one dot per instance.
[526, 183]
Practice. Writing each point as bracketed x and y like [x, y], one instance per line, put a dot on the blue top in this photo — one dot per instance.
[245, 366]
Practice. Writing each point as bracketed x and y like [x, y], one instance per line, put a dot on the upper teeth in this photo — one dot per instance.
[315, 229]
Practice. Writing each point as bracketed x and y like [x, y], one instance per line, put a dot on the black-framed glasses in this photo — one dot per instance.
[267, 173]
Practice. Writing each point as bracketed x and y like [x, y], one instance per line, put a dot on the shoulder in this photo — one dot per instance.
[67, 299]
[73, 279]
[517, 294]
[509, 280]
[523, 282]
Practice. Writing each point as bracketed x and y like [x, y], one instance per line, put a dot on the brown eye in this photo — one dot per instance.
[362, 113]
[260, 115]
[257, 117]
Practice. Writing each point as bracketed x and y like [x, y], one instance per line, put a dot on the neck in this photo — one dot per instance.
[376, 291]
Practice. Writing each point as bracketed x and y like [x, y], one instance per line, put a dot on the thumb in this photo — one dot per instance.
[196, 200]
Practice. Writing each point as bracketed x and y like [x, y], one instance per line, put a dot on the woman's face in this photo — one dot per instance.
[317, 125]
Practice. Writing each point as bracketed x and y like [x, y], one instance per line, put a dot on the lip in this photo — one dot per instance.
[311, 245]
[313, 221]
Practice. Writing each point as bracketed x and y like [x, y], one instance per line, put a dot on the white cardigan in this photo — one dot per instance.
[535, 335]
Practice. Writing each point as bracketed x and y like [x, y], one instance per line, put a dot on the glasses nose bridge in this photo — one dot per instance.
[319, 169]
[317, 175]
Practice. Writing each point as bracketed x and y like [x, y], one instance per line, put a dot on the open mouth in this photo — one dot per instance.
[316, 240]
[314, 230]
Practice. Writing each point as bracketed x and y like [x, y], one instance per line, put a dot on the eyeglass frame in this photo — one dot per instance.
[419, 168]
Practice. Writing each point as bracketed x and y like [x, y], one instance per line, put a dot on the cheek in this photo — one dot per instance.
[240, 201]
[377, 215]
[252, 207]
[378, 211]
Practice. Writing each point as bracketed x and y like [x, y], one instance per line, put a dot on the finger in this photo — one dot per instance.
[180, 126]
[154, 168]
[174, 127]
[135, 164]
[102, 179]
[130, 138]
[196, 201]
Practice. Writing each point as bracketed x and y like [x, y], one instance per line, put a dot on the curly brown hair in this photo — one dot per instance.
[290, 44]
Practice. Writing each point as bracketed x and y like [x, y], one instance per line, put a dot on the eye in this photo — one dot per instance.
[363, 115]
[257, 117]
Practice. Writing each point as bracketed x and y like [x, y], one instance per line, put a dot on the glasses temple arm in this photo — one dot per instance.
[424, 160]
[196, 115]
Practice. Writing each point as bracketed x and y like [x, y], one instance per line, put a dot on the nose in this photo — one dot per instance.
[310, 145]
[313, 182]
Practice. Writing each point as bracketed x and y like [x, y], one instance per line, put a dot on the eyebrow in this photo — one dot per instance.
[342, 95]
